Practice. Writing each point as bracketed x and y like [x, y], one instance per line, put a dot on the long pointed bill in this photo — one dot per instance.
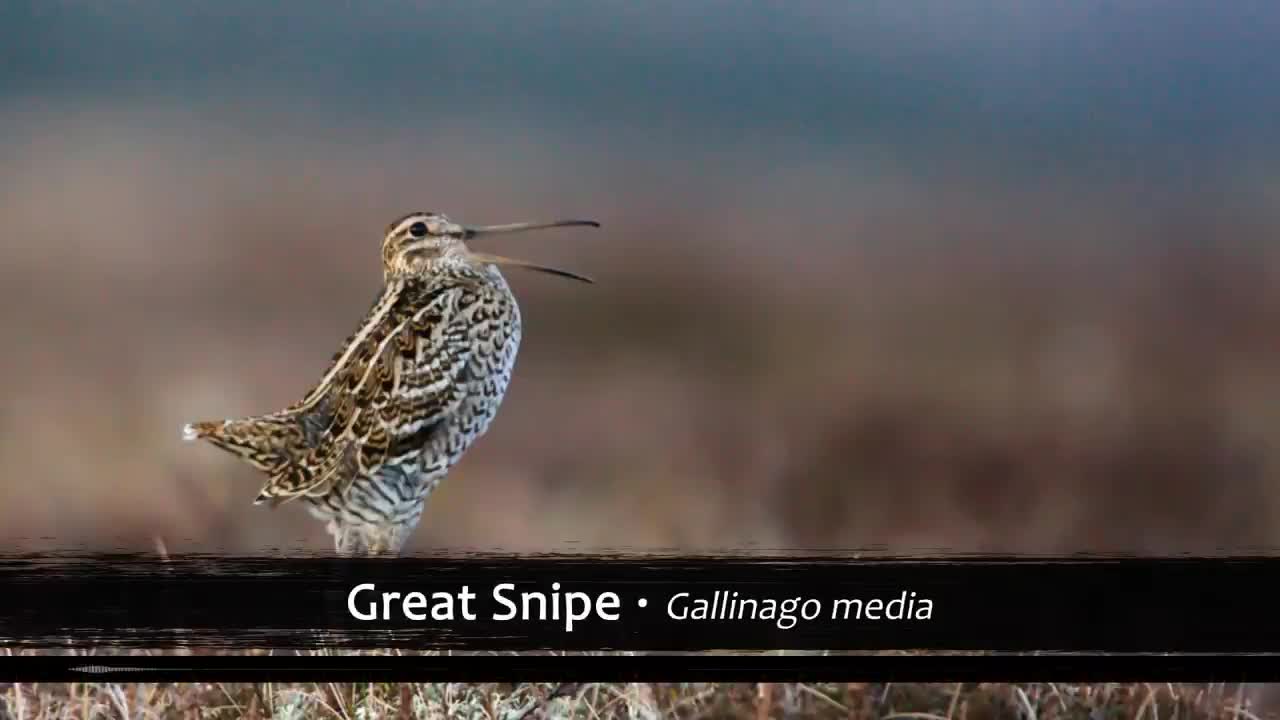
[471, 232]
[500, 260]
[525, 227]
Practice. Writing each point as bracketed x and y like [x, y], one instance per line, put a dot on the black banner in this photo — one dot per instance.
[643, 603]
[771, 667]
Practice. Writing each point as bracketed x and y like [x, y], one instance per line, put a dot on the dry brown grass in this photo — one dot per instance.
[598, 701]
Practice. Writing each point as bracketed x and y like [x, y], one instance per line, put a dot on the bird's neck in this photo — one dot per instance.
[451, 271]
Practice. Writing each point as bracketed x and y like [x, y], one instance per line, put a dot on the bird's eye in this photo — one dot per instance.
[418, 229]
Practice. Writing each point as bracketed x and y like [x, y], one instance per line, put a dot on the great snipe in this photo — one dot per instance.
[408, 393]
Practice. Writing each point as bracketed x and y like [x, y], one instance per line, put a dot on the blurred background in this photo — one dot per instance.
[990, 276]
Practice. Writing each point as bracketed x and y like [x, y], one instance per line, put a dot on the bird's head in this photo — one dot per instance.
[424, 243]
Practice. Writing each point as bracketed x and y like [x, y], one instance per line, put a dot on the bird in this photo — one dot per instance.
[404, 397]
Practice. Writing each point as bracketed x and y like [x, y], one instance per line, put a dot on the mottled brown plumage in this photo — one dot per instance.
[407, 394]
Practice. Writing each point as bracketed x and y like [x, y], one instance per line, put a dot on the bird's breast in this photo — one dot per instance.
[495, 336]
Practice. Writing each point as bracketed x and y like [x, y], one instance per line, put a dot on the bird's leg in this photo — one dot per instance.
[379, 544]
[348, 540]
[358, 540]
[401, 537]
[335, 530]
[390, 540]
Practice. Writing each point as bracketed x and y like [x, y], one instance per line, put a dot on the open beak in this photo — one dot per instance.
[473, 231]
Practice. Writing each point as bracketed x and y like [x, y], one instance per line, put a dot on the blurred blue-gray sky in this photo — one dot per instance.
[1176, 95]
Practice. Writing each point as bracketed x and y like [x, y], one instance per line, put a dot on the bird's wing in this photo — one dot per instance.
[273, 442]
[399, 374]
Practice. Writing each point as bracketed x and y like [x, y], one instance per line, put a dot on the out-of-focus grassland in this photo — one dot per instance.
[773, 357]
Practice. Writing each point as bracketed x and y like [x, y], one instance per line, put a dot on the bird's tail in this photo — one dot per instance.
[263, 442]
[274, 444]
